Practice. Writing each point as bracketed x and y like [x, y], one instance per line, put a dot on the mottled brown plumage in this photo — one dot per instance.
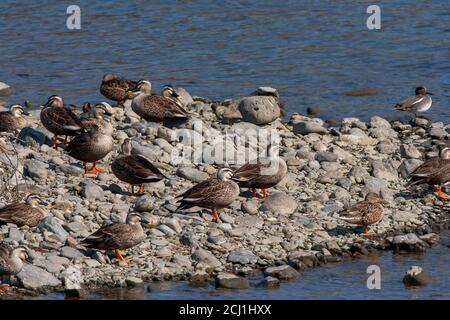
[156, 108]
[117, 236]
[97, 119]
[60, 120]
[263, 173]
[435, 172]
[366, 212]
[90, 146]
[134, 168]
[24, 214]
[116, 88]
[214, 193]
[12, 119]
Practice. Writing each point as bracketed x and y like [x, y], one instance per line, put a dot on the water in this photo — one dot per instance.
[311, 51]
[344, 280]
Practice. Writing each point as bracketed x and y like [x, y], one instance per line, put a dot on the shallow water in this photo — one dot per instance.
[343, 280]
[310, 51]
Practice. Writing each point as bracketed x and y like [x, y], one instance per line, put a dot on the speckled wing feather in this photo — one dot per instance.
[15, 213]
[63, 118]
[202, 193]
[108, 237]
[139, 167]
[408, 103]
[170, 108]
[427, 170]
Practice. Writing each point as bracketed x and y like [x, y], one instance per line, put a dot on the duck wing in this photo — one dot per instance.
[107, 237]
[15, 213]
[409, 103]
[140, 167]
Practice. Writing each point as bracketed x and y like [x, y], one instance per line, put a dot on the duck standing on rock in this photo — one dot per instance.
[60, 120]
[262, 173]
[11, 261]
[12, 119]
[117, 236]
[134, 168]
[90, 146]
[435, 172]
[116, 88]
[97, 119]
[365, 212]
[420, 102]
[214, 193]
[24, 214]
[157, 108]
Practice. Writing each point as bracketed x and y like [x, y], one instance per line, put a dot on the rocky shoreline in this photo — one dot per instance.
[296, 227]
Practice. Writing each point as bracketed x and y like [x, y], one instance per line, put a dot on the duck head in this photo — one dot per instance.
[34, 200]
[126, 147]
[422, 90]
[225, 174]
[169, 92]
[108, 77]
[134, 218]
[54, 101]
[17, 110]
[143, 86]
[20, 252]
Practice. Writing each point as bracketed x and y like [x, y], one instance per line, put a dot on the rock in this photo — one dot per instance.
[242, 256]
[358, 139]
[192, 174]
[313, 110]
[280, 203]
[72, 279]
[231, 281]
[199, 279]
[30, 136]
[53, 225]
[144, 204]
[307, 127]
[386, 147]
[408, 166]
[182, 260]
[410, 151]
[173, 224]
[384, 170]
[202, 255]
[359, 173]
[132, 282]
[70, 253]
[167, 134]
[184, 96]
[250, 206]
[91, 190]
[284, 272]
[301, 259]
[269, 282]
[415, 276]
[5, 90]
[437, 133]
[379, 122]
[259, 109]
[430, 238]
[34, 278]
[326, 156]
[35, 169]
[408, 242]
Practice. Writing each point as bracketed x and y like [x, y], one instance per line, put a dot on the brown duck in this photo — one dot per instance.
[116, 88]
[117, 236]
[11, 261]
[263, 173]
[214, 193]
[365, 212]
[435, 172]
[97, 118]
[90, 146]
[12, 119]
[134, 168]
[60, 120]
[156, 108]
[24, 214]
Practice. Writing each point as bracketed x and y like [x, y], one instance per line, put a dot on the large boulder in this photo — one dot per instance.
[259, 109]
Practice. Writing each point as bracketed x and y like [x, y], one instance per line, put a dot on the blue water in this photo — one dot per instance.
[311, 51]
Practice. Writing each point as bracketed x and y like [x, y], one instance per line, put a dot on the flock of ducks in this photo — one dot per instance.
[92, 141]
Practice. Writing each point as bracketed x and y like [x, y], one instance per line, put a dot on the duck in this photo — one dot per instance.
[157, 108]
[420, 102]
[214, 193]
[97, 118]
[60, 120]
[28, 213]
[134, 168]
[117, 236]
[435, 172]
[262, 173]
[11, 261]
[13, 118]
[366, 212]
[90, 146]
[116, 88]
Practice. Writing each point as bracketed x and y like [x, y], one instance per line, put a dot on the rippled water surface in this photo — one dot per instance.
[312, 51]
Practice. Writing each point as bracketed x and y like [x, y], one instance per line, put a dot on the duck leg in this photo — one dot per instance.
[441, 194]
[215, 213]
[132, 188]
[55, 142]
[264, 191]
[141, 188]
[120, 257]
[95, 169]
[65, 139]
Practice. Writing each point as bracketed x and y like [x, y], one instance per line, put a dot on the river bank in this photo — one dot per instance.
[295, 228]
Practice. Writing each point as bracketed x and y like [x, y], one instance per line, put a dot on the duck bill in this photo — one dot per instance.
[239, 178]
